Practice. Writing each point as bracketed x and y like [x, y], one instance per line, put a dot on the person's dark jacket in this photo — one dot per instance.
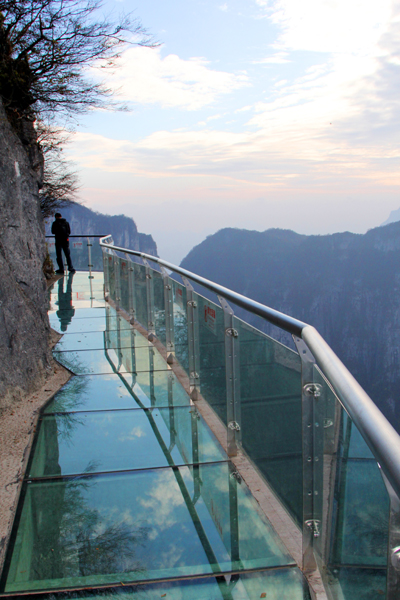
[61, 229]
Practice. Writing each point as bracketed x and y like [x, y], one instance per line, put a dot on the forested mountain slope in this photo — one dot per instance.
[346, 285]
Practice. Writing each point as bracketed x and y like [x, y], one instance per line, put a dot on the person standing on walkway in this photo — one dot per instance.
[61, 231]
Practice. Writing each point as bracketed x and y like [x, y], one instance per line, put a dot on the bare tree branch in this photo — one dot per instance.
[46, 50]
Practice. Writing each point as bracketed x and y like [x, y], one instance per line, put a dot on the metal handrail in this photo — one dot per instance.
[85, 235]
[381, 437]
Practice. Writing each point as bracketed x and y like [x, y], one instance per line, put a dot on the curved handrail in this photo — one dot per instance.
[85, 235]
[381, 437]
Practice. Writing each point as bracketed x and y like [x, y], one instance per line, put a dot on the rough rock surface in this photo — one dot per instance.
[24, 328]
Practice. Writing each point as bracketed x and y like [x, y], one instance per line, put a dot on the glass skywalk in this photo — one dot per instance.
[127, 484]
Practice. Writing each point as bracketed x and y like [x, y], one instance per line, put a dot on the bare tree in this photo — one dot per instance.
[46, 47]
[60, 182]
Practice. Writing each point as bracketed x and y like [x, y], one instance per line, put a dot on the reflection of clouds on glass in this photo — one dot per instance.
[136, 432]
[162, 499]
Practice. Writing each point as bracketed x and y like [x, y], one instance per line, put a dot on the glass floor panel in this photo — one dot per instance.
[82, 313]
[95, 294]
[76, 443]
[94, 340]
[65, 323]
[86, 362]
[107, 529]
[111, 392]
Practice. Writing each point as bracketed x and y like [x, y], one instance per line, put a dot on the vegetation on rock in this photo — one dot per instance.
[46, 47]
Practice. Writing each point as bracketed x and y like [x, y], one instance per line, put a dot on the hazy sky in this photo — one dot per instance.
[251, 114]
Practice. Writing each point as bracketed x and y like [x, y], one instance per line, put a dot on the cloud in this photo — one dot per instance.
[278, 58]
[145, 77]
[329, 25]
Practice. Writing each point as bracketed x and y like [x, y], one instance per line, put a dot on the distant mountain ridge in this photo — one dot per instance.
[346, 285]
[123, 229]
[393, 217]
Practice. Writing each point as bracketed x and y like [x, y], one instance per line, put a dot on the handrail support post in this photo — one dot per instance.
[232, 370]
[312, 456]
[393, 557]
[169, 316]
[131, 290]
[193, 340]
[117, 280]
[150, 300]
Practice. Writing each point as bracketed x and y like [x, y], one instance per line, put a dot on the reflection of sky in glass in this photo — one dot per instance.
[142, 524]
[120, 440]
[107, 391]
[121, 359]
[154, 521]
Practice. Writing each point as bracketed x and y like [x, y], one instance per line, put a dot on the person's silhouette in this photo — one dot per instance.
[65, 308]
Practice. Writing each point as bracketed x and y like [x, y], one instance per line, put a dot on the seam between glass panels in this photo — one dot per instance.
[90, 475]
[55, 592]
[96, 410]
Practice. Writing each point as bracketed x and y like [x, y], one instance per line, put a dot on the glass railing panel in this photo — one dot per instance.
[180, 323]
[159, 306]
[351, 503]
[79, 253]
[140, 294]
[270, 390]
[212, 354]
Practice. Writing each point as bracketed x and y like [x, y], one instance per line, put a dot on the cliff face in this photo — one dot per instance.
[83, 221]
[24, 329]
[346, 285]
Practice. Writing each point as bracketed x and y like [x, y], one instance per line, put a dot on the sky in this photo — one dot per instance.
[250, 114]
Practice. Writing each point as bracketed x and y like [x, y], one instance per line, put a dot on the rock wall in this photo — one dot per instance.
[24, 329]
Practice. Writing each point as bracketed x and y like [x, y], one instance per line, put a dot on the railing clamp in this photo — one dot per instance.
[195, 414]
[194, 375]
[230, 331]
[236, 475]
[148, 276]
[192, 303]
[312, 389]
[168, 287]
[314, 525]
[234, 426]
[395, 558]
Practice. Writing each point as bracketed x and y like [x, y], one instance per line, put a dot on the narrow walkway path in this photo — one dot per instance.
[127, 484]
